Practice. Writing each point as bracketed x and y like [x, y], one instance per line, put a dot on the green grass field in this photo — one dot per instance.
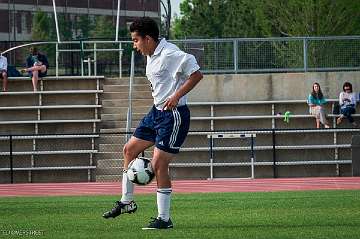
[310, 214]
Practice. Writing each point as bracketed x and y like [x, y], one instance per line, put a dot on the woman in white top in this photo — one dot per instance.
[347, 101]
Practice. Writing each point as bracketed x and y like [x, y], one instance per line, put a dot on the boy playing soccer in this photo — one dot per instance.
[172, 74]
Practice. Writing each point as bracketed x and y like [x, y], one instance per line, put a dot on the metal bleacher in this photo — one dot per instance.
[51, 130]
[301, 149]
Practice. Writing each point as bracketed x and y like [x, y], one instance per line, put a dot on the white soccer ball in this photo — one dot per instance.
[140, 171]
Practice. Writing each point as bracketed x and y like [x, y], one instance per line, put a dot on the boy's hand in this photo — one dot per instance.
[170, 103]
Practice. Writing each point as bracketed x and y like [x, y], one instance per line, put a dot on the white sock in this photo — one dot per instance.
[163, 203]
[127, 189]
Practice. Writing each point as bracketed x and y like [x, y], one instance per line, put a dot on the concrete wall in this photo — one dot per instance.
[275, 86]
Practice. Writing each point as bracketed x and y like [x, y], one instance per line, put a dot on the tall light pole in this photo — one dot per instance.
[117, 21]
[167, 16]
[56, 22]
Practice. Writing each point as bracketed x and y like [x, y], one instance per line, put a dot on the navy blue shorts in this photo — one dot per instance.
[167, 129]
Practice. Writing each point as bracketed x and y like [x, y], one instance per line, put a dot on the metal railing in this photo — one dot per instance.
[232, 55]
[269, 151]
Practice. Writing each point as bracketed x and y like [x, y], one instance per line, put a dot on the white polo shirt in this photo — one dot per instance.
[167, 70]
[3, 63]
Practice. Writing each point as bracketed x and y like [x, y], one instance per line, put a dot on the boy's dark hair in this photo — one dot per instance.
[34, 50]
[347, 84]
[145, 26]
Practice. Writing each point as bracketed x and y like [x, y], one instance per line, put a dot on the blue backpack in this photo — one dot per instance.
[12, 72]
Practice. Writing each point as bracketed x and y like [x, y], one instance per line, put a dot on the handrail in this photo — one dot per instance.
[253, 102]
[81, 50]
[27, 44]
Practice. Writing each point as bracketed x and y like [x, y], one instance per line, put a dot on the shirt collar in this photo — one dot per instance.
[160, 46]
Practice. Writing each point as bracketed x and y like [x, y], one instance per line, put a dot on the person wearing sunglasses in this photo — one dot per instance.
[347, 101]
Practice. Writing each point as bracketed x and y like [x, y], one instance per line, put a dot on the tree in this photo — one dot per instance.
[312, 17]
[276, 18]
[66, 27]
[104, 28]
[243, 19]
[200, 19]
[258, 18]
[85, 26]
[41, 26]
[43, 30]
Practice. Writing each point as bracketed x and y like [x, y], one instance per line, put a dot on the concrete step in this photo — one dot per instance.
[121, 117]
[125, 81]
[111, 124]
[109, 163]
[109, 171]
[109, 178]
[115, 130]
[112, 138]
[118, 155]
[125, 88]
[125, 95]
[125, 103]
[111, 155]
[113, 148]
[123, 110]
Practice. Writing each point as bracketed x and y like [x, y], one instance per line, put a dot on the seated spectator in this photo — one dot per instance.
[347, 101]
[316, 101]
[37, 65]
[3, 72]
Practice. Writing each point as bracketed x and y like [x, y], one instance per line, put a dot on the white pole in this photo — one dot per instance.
[129, 112]
[56, 22]
[117, 21]
[57, 60]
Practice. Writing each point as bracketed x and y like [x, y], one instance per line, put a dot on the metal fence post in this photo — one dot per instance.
[120, 60]
[95, 59]
[305, 47]
[274, 153]
[211, 152]
[82, 57]
[252, 157]
[11, 161]
[57, 60]
[235, 42]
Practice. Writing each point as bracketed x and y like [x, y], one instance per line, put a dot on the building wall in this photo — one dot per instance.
[16, 19]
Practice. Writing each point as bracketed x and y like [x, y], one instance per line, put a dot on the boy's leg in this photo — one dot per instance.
[347, 113]
[160, 164]
[174, 127]
[322, 117]
[126, 205]
[131, 150]
[317, 123]
[41, 68]
[35, 79]
[351, 111]
[342, 115]
[5, 80]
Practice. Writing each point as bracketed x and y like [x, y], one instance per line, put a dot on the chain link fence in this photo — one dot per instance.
[205, 154]
[240, 55]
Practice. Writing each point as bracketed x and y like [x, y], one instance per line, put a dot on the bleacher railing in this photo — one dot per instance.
[18, 158]
[231, 55]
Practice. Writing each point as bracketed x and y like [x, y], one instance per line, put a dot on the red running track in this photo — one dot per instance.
[184, 186]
